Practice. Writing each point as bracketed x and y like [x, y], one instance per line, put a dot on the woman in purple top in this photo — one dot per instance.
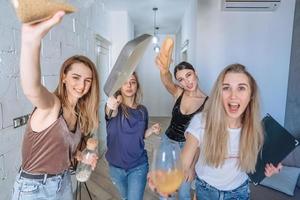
[126, 125]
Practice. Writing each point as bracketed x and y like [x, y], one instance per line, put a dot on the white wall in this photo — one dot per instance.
[259, 40]
[155, 97]
[178, 46]
[122, 30]
[189, 30]
[63, 41]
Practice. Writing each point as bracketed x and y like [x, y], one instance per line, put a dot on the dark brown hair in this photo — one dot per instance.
[181, 66]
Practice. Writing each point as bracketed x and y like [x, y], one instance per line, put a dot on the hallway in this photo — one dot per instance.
[206, 35]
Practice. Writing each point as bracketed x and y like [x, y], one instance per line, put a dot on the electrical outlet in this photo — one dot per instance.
[20, 121]
[16, 122]
[24, 119]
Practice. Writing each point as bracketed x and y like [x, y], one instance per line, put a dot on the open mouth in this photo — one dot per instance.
[190, 86]
[233, 107]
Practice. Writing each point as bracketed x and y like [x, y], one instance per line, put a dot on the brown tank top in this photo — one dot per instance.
[49, 151]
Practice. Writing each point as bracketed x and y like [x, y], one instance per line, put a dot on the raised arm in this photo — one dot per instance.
[163, 61]
[30, 71]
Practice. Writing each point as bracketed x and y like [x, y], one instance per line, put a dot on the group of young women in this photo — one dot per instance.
[220, 136]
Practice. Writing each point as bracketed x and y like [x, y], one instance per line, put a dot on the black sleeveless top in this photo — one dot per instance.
[180, 122]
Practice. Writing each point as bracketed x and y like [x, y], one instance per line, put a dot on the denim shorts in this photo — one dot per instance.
[204, 191]
[54, 188]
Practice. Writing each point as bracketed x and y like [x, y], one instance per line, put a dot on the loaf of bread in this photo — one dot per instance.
[33, 11]
[166, 51]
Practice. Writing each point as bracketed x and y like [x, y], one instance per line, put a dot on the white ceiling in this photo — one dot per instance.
[169, 14]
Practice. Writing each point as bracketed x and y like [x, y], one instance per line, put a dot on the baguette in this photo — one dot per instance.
[165, 54]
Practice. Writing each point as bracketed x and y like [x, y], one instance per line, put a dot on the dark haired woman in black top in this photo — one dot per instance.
[189, 101]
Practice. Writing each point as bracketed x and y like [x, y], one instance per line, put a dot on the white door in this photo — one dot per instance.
[102, 62]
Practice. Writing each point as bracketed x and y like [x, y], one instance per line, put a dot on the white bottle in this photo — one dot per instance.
[84, 168]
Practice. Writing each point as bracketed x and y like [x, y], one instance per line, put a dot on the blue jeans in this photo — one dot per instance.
[55, 188]
[130, 183]
[184, 192]
[204, 191]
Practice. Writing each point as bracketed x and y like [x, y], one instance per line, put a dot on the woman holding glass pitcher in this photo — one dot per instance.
[229, 135]
[189, 100]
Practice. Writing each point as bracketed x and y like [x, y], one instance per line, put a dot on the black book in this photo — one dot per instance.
[278, 144]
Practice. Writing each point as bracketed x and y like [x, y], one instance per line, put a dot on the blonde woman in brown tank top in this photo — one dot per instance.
[59, 121]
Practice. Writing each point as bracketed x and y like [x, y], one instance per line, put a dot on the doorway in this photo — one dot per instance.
[184, 51]
[102, 51]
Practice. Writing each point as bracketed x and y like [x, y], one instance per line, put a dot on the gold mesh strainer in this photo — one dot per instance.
[33, 11]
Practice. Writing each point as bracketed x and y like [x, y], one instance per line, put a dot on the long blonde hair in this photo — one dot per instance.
[215, 141]
[88, 105]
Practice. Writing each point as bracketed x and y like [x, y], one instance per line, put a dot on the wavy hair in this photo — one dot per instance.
[87, 106]
[215, 141]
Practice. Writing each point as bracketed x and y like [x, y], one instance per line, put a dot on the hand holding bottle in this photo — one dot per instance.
[88, 160]
[92, 160]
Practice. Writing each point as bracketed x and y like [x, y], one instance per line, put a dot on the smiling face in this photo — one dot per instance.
[78, 81]
[187, 79]
[129, 88]
[236, 95]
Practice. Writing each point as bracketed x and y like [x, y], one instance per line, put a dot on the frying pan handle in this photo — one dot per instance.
[116, 94]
